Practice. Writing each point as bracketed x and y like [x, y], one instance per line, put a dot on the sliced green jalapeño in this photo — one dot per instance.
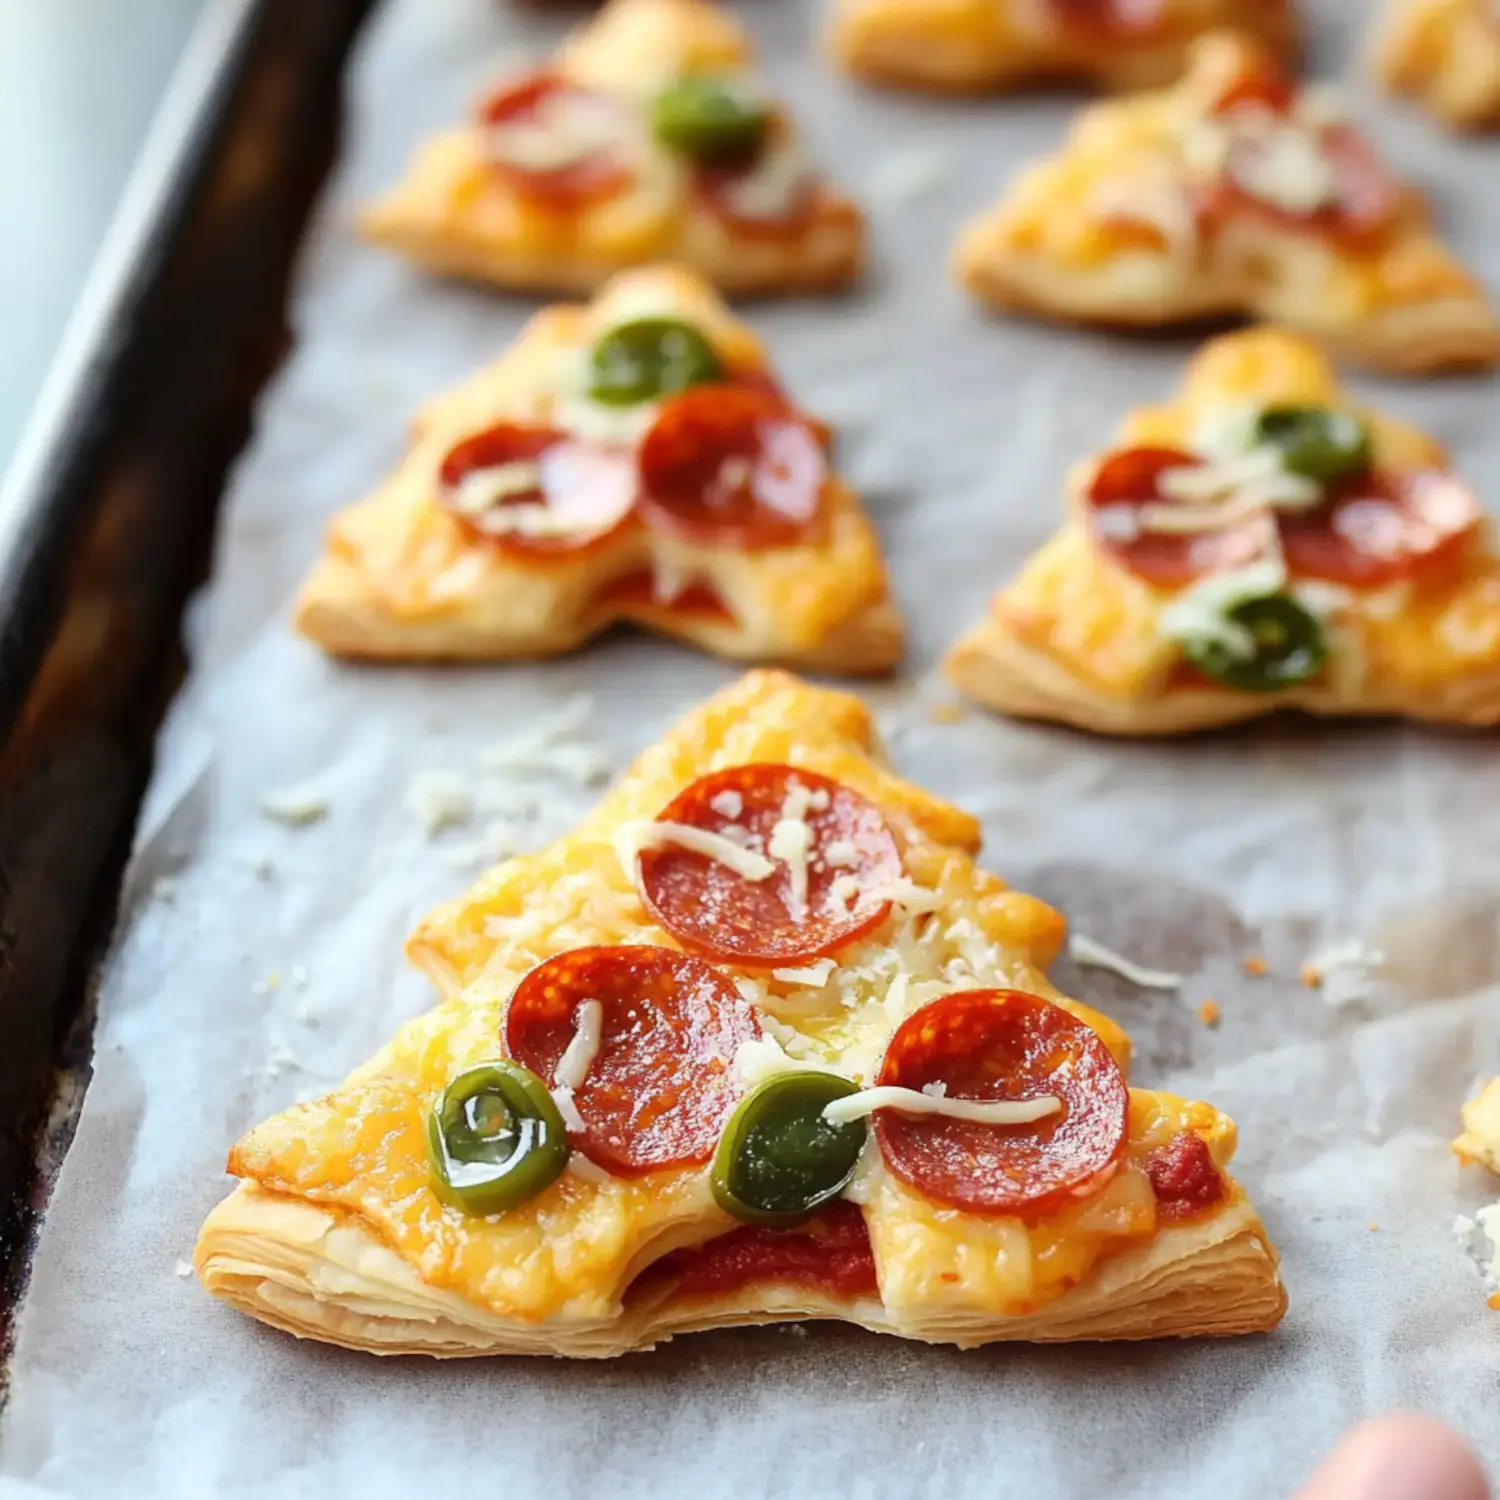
[709, 119]
[648, 359]
[1267, 643]
[779, 1160]
[1315, 441]
[496, 1138]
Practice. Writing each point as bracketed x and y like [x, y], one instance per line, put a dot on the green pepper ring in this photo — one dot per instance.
[649, 358]
[779, 1160]
[708, 120]
[1319, 442]
[469, 1172]
[1290, 646]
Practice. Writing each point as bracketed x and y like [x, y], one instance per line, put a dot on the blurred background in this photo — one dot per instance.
[79, 80]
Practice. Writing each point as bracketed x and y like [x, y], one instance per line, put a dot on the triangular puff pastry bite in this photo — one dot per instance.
[646, 1106]
[1447, 54]
[649, 136]
[1260, 542]
[632, 460]
[1236, 192]
[962, 46]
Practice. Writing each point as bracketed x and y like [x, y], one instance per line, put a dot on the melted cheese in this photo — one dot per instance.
[566, 129]
[1288, 168]
[931, 1101]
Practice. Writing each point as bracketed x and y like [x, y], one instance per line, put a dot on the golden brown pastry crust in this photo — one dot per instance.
[1445, 53]
[1075, 639]
[1052, 249]
[402, 580]
[451, 215]
[334, 1234]
[1480, 1141]
[980, 46]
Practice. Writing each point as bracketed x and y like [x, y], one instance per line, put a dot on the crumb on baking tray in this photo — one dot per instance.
[1209, 1013]
[1255, 966]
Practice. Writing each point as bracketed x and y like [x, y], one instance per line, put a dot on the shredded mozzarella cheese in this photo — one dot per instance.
[578, 1056]
[567, 1107]
[1200, 613]
[635, 837]
[1085, 952]
[813, 976]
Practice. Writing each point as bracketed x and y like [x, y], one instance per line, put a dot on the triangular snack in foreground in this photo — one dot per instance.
[758, 1042]
[1447, 54]
[1235, 193]
[1260, 542]
[632, 460]
[972, 46]
[648, 137]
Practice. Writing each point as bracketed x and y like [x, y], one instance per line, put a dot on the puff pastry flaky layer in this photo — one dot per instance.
[1446, 53]
[1080, 638]
[406, 576]
[335, 1232]
[971, 46]
[1234, 193]
[559, 195]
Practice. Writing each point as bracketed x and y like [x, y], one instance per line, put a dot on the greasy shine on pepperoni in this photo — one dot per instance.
[589, 489]
[830, 1253]
[1183, 1176]
[715, 911]
[659, 1089]
[1108, 18]
[1379, 528]
[1004, 1044]
[532, 104]
[730, 465]
[1130, 479]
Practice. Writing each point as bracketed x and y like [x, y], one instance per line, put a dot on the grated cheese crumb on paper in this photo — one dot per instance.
[439, 799]
[295, 806]
[1479, 1239]
[1255, 966]
[1209, 1014]
[1344, 972]
[1088, 954]
[183, 1268]
[164, 889]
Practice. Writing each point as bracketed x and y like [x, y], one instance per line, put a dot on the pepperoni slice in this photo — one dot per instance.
[1126, 481]
[723, 191]
[715, 911]
[1004, 1044]
[552, 493]
[1378, 528]
[830, 1253]
[525, 123]
[658, 1090]
[730, 465]
[1183, 1176]
[1119, 19]
[1263, 88]
[1365, 197]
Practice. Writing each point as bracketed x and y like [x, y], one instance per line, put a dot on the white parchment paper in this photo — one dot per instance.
[257, 963]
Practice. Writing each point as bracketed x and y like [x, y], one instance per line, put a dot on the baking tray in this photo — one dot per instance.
[107, 518]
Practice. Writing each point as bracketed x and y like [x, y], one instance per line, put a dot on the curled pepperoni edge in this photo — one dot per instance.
[676, 465]
[508, 442]
[531, 1006]
[693, 806]
[905, 1142]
